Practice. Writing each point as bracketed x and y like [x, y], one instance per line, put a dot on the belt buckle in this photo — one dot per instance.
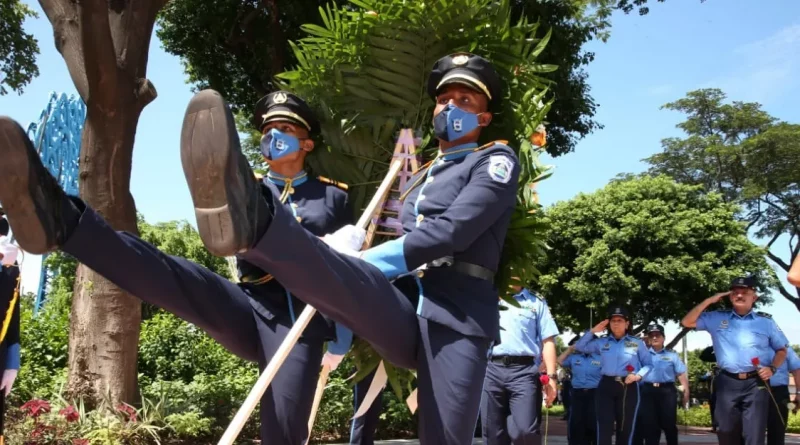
[506, 360]
[619, 379]
[742, 376]
[656, 385]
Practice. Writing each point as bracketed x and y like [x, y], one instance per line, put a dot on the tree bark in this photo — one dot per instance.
[104, 44]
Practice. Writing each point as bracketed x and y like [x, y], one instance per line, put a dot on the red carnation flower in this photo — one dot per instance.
[70, 413]
[629, 368]
[755, 361]
[544, 378]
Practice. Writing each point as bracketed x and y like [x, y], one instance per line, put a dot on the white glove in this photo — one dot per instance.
[9, 375]
[332, 360]
[8, 251]
[347, 240]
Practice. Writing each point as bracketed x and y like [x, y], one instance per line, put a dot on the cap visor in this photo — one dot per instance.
[461, 76]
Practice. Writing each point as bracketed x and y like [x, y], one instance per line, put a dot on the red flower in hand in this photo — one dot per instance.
[544, 378]
[755, 361]
[629, 368]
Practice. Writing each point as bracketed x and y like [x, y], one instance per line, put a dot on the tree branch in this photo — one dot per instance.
[788, 296]
[99, 57]
[678, 338]
[778, 261]
[63, 16]
[776, 236]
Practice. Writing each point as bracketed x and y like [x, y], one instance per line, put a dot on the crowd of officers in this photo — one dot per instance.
[426, 301]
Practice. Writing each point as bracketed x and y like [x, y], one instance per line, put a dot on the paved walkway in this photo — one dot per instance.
[557, 436]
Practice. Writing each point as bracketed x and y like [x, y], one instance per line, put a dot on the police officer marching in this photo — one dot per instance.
[624, 360]
[749, 348]
[586, 370]
[659, 399]
[511, 389]
[250, 318]
[779, 405]
[10, 316]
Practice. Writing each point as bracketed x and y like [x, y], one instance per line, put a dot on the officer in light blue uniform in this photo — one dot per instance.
[509, 411]
[625, 360]
[779, 407]
[586, 373]
[251, 318]
[659, 405]
[749, 348]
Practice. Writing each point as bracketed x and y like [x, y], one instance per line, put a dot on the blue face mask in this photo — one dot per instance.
[453, 123]
[276, 144]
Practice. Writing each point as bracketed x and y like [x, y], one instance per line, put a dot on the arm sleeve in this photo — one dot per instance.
[704, 320]
[792, 360]
[547, 326]
[777, 339]
[587, 345]
[645, 359]
[489, 193]
[680, 367]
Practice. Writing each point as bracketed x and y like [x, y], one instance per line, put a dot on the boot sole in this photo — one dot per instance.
[210, 163]
[20, 190]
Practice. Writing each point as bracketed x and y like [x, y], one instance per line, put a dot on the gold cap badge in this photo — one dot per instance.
[460, 59]
[279, 98]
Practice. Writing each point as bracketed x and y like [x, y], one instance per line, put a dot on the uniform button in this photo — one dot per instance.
[298, 219]
[291, 190]
[429, 180]
[420, 218]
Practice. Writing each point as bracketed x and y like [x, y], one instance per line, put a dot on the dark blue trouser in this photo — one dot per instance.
[658, 412]
[742, 410]
[616, 404]
[582, 421]
[362, 429]
[778, 415]
[214, 304]
[509, 410]
[450, 365]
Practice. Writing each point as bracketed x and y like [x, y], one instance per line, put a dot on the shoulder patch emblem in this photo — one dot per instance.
[500, 168]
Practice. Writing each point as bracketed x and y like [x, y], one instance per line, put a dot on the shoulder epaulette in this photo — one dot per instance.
[341, 185]
[764, 314]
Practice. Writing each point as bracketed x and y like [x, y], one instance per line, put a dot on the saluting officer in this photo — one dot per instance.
[748, 348]
[586, 370]
[509, 410]
[779, 406]
[455, 215]
[250, 319]
[624, 361]
[659, 399]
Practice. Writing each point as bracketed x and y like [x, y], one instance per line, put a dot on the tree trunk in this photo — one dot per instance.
[104, 324]
[105, 46]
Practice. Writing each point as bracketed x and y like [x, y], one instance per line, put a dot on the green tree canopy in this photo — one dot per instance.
[748, 156]
[18, 49]
[650, 243]
[238, 47]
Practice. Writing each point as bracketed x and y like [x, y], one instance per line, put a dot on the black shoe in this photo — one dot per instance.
[41, 215]
[231, 212]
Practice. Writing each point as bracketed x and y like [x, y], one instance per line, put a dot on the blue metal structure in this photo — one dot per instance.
[57, 138]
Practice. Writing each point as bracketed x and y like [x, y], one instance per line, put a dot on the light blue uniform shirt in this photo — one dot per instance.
[791, 364]
[616, 355]
[585, 369]
[738, 339]
[523, 329]
[667, 365]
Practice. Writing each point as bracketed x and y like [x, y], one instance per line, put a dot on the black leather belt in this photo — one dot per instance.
[470, 269]
[659, 385]
[740, 375]
[514, 360]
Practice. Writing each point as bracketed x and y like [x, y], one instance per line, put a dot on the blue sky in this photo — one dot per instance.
[751, 52]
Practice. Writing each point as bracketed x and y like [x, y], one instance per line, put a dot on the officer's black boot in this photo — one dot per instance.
[231, 212]
[41, 215]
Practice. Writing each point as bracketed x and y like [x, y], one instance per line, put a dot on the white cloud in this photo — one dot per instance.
[766, 68]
